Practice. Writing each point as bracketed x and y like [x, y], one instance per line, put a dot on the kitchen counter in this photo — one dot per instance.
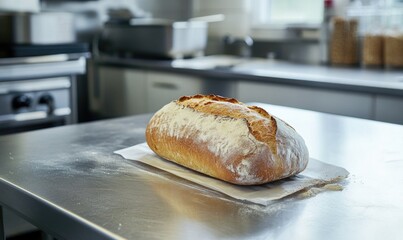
[234, 68]
[67, 181]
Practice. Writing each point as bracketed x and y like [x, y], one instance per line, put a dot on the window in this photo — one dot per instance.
[286, 12]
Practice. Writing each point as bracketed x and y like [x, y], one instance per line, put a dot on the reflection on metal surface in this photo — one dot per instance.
[42, 59]
[43, 69]
[187, 199]
[35, 59]
[37, 85]
[62, 111]
[30, 116]
[51, 58]
[35, 115]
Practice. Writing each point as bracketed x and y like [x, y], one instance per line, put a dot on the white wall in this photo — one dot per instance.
[236, 13]
[236, 23]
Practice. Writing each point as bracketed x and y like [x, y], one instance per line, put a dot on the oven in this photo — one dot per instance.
[39, 92]
[36, 103]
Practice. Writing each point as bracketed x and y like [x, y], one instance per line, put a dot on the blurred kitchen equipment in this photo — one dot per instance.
[37, 28]
[120, 14]
[38, 92]
[238, 46]
[161, 38]
[39, 64]
[29, 50]
[19, 6]
[156, 38]
[33, 104]
[209, 18]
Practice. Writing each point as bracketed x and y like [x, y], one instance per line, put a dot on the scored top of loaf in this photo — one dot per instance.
[260, 123]
[226, 139]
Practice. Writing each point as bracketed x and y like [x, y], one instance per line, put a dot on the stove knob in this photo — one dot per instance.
[21, 101]
[49, 101]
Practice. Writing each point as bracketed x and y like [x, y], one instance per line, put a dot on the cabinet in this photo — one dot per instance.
[389, 109]
[322, 100]
[127, 91]
[120, 92]
[165, 87]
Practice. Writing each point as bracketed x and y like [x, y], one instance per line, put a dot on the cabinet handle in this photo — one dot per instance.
[165, 85]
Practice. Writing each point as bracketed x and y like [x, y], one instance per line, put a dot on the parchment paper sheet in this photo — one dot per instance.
[316, 173]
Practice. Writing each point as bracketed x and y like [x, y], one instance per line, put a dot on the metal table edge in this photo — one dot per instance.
[49, 217]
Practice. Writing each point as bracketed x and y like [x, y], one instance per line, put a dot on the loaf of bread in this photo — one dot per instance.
[227, 140]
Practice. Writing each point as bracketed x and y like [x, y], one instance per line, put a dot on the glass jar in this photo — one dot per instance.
[372, 50]
[393, 49]
[344, 42]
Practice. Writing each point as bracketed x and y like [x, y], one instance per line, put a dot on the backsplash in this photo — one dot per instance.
[236, 23]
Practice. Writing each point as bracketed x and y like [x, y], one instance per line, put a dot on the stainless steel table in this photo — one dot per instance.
[67, 181]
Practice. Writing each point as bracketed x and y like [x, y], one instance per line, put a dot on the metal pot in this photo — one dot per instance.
[155, 37]
[37, 28]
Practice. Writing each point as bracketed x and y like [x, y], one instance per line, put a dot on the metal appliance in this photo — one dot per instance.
[20, 5]
[32, 104]
[154, 38]
[38, 92]
[157, 38]
[37, 28]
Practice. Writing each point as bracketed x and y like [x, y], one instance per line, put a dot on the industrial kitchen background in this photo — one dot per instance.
[137, 55]
[67, 62]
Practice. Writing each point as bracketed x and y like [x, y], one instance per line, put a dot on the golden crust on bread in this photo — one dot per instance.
[226, 139]
[230, 107]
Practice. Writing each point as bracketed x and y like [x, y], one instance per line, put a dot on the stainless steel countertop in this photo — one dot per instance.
[67, 181]
[273, 71]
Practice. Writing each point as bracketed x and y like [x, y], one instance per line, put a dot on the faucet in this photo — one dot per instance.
[239, 46]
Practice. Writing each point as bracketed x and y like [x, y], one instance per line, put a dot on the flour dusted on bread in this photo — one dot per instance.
[226, 139]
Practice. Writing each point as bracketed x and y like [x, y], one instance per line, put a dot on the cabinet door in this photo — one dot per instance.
[328, 101]
[122, 91]
[389, 109]
[135, 93]
[165, 87]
